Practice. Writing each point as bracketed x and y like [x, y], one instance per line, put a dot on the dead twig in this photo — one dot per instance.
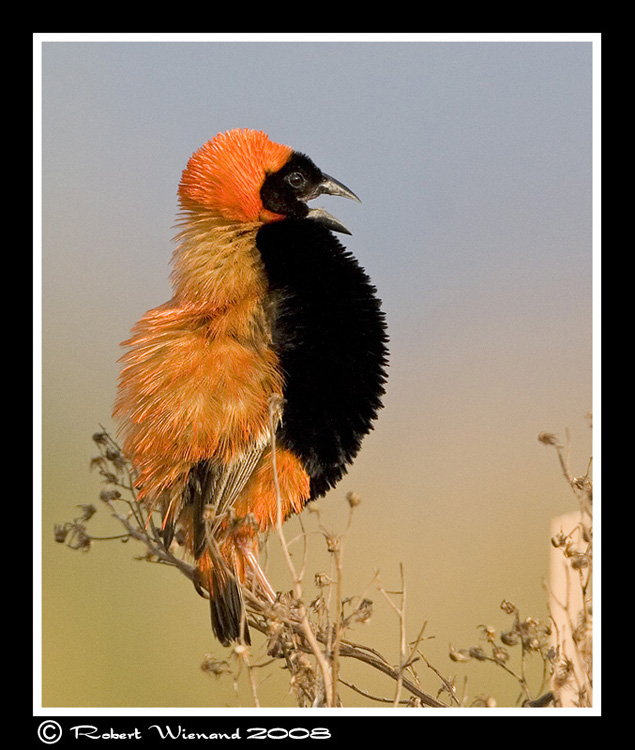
[285, 622]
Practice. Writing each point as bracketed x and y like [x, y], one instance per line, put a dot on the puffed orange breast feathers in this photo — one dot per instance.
[191, 389]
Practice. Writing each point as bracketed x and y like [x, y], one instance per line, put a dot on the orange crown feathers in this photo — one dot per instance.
[226, 174]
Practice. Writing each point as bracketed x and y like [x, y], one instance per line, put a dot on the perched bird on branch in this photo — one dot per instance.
[274, 336]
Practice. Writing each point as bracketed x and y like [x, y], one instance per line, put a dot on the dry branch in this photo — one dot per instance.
[313, 651]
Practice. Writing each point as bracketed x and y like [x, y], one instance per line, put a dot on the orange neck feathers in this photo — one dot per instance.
[225, 175]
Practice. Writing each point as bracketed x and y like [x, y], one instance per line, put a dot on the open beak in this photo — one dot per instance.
[331, 186]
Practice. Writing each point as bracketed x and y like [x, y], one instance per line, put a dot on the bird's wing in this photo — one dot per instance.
[213, 484]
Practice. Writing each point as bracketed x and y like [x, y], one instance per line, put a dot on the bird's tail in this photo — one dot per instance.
[229, 618]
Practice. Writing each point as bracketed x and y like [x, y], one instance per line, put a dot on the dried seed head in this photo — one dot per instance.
[108, 495]
[214, 667]
[558, 540]
[112, 454]
[461, 655]
[476, 652]
[488, 633]
[97, 462]
[579, 561]
[548, 438]
[563, 673]
[582, 483]
[332, 542]
[551, 654]
[353, 499]
[532, 632]
[500, 654]
[322, 580]
[531, 643]
[318, 604]
[80, 539]
[364, 610]
[60, 533]
[484, 701]
[88, 511]
[274, 628]
[508, 607]
[509, 638]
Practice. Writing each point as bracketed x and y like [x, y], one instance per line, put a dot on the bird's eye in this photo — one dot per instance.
[296, 179]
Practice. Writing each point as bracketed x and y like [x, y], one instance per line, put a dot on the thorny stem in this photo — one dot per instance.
[335, 546]
[366, 655]
[378, 662]
[566, 662]
[446, 684]
[524, 654]
[337, 554]
[400, 611]
[156, 548]
[252, 679]
[139, 524]
[405, 659]
[577, 546]
[297, 584]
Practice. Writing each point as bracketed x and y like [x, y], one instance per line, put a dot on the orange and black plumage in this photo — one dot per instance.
[272, 322]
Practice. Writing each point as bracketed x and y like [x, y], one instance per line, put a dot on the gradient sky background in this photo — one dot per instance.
[473, 164]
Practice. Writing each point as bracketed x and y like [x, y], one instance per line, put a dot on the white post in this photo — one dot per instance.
[569, 570]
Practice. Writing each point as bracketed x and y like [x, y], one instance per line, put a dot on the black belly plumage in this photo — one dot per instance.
[330, 335]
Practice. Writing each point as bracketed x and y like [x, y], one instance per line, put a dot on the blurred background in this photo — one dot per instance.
[473, 164]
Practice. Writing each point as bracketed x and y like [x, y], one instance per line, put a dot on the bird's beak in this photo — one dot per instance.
[331, 186]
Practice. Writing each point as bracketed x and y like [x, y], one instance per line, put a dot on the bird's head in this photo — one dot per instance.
[245, 177]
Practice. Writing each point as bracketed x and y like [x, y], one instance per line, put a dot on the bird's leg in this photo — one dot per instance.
[251, 562]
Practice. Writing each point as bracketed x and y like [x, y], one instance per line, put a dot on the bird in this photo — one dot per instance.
[247, 394]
